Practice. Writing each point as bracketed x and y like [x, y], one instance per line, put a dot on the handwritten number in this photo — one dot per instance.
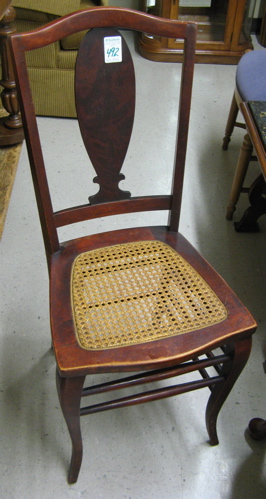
[113, 52]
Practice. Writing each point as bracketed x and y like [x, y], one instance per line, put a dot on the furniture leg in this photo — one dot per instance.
[231, 370]
[11, 131]
[240, 173]
[257, 428]
[69, 392]
[230, 123]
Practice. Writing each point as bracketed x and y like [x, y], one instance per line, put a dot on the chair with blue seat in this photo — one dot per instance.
[250, 86]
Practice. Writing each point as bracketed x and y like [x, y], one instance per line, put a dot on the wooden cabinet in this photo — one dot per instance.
[223, 29]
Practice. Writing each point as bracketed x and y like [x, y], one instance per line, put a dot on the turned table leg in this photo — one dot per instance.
[239, 177]
[11, 131]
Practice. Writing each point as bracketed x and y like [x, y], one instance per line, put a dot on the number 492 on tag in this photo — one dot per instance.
[112, 49]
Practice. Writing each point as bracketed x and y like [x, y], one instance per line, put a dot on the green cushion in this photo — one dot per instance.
[33, 15]
[53, 92]
[72, 42]
[51, 68]
[47, 14]
[56, 7]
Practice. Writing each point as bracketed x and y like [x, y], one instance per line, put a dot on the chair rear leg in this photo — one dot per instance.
[69, 393]
[244, 158]
[230, 123]
[231, 370]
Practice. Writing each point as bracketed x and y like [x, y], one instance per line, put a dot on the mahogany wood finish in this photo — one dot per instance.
[106, 138]
[110, 109]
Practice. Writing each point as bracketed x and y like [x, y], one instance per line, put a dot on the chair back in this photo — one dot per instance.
[105, 103]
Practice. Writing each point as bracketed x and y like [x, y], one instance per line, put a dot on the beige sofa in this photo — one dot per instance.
[51, 69]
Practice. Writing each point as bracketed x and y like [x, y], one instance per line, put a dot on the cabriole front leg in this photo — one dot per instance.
[69, 392]
[231, 371]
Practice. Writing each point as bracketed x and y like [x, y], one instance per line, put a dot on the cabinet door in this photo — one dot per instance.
[223, 29]
[215, 19]
[242, 25]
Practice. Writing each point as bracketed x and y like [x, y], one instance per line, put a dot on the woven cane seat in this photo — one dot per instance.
[138, 292]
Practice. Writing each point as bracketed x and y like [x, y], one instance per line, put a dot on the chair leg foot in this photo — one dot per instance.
[69, 393]
[212, 431]
[231, 208]
[226, 141]
[75, 465]
[230, 123]
[257, 428]
[230, 370]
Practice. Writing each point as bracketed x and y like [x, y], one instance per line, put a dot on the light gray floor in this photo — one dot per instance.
[157, 450]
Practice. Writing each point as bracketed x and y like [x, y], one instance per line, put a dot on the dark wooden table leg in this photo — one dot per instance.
[248, 222]
[257, 428]
[11, 131]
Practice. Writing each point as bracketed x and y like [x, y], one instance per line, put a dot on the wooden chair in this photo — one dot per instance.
[250, 86]
[137, 299]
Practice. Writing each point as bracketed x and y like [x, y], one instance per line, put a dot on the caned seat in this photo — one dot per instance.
[114, 290]
[138, 300]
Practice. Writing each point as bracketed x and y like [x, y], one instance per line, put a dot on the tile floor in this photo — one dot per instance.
[157, 450]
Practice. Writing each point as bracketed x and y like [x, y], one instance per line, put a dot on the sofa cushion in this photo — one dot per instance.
[44, 11]
[34, 16]
[72, 42]
[58, 8]
[51, 69]
[46, 57]
[53, 92]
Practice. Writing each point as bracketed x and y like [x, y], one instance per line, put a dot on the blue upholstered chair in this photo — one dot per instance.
[250, 85]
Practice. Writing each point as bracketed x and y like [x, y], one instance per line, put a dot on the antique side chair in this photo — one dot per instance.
[250, 86]
[133, 300]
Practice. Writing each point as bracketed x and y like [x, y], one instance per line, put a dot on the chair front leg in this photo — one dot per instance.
[231, 370]
[230, 123]
[69, 393]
